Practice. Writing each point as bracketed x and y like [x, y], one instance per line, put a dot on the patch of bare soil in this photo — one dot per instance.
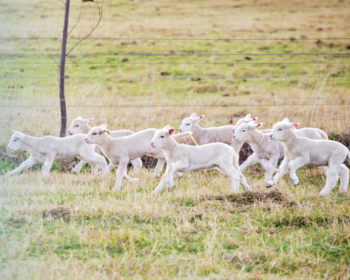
[57, 213]
[248, 198]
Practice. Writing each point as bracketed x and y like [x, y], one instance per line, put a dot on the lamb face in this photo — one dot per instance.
[160, 138]
[278, 130]
[15, 142]
[248, 118]
[78, 125]
[242, 133]
[95, 134]
[188, 124]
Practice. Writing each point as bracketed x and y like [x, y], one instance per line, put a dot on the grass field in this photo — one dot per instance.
[73, 226]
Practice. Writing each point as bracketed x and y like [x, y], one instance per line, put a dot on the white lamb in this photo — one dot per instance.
[121, 150]
[300, 151]
[238, 144]
[80, 125]
[186, 158]
[203, 136]
[309, 132]
[266, 151]
[48, 149]
[221, 134]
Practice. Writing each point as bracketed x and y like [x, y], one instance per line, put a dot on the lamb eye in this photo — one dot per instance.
[94, 133]
[14, 140]
[280, 129]
[243, 130]
[188, 124]
[161, 136]
[76, 126]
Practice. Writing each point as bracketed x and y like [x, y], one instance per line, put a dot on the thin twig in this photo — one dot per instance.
[63, 2]
[100, 13]
[81, 9]
[54, 61]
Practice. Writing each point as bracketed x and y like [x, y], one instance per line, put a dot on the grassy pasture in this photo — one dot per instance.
[73, 226]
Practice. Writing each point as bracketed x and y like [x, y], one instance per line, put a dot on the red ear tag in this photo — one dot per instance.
[171, 131]
[201, 117]
[108, 132]
[295, 124]
[259, 124]
[254, 119]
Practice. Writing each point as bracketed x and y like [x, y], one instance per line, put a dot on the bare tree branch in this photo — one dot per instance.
[100, 14]
[81, 9]
[54, 60]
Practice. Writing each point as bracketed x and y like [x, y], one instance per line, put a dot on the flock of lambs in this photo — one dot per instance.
[217, 147]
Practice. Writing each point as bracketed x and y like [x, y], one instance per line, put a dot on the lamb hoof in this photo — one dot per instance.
[322, 193]
[156, 176]
[75, 170]
[269, 184]
[116, 189]
[294, 182]
[154, 193]
[179, 175]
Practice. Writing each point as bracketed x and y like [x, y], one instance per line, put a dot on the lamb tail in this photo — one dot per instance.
[324, 135]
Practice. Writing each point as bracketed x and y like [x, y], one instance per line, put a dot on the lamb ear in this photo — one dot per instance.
[167, 127]
[193, 115]
[171, 131]
[79, 118]
[105, 130]
[253, 125]
[196, 120]
[18, 134]
[289, 125]
[248, 116]
[85, 121]
[285, 120]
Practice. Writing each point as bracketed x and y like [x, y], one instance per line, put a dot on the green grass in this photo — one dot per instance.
[178, 234]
